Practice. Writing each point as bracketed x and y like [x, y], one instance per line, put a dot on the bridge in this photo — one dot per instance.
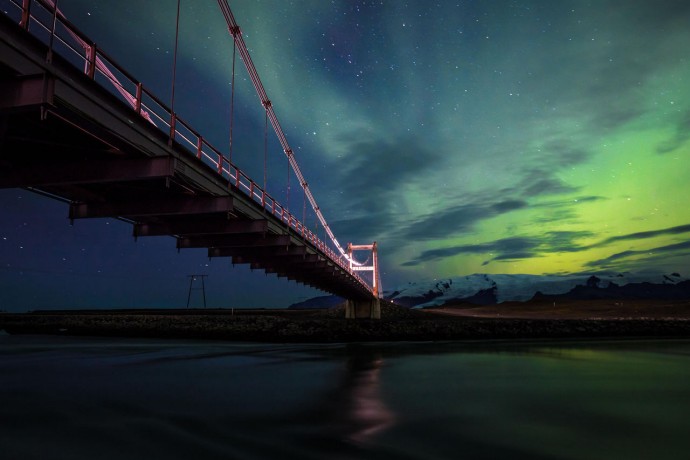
[78, 127]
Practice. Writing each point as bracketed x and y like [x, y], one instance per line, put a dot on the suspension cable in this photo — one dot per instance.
[235, 32]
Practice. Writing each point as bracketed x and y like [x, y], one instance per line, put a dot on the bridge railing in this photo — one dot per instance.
[40, 19]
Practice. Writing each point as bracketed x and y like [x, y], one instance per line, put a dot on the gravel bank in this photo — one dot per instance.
[330, 326]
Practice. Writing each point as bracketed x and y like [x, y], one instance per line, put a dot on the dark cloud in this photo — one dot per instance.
[644, 235]
[378, 171]
[509, 205]
[457, 219]
[681, 136]
[588, 199]
[540, 184]
[448, 222]
[512, 256]
[616, 260]
[557, 204]
[672, 15]
[382, 168]
[613, 93]
[504, 246]
[564, 241]
[464, 218]
[559, 215]
[599, 80]
[540, 178]
[561, 153]
[379, 167]
[613, 118]
[513, 248]
[562, 211]
[363, 229]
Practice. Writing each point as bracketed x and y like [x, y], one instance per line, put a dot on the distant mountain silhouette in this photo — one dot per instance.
[486, 289]
[591, 291]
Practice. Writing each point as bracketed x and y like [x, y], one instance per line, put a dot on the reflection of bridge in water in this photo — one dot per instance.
[76, 126]
[365, 412]
[354, 409]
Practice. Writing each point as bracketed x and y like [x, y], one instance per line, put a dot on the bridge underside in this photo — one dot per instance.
[63, 135]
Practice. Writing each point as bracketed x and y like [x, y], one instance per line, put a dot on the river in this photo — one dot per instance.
[105, 398]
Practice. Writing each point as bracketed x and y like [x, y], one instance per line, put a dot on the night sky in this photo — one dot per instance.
[541, 137]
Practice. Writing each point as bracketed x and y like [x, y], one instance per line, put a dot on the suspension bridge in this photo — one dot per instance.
[78, 127]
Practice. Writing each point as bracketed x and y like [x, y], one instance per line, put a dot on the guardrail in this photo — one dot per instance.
[48, 24]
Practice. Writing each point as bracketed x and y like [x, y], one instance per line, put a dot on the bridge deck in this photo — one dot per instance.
[63, 134]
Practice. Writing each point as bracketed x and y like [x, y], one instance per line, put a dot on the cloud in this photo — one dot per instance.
[374, 181]
[509, 205]
[562, 153]
[513, 248]
[539, 183]
[465, 218]
[363, 229]
[562, 211]
[644, 235]
[379, 167]
[681, 136]
[504, 246]
[564, 241]
[539, 176]
[448, 222]
[525, 247]
[616, 260]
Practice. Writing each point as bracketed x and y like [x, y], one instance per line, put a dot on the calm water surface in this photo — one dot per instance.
[76, 398]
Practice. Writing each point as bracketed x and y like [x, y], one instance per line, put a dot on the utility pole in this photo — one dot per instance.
[193, 278]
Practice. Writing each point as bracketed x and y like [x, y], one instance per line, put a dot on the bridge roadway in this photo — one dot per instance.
[65, 135]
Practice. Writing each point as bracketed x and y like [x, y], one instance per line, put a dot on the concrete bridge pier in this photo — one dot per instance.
[356, 309]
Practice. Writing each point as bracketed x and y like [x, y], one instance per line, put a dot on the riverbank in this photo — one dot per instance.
[398, 324]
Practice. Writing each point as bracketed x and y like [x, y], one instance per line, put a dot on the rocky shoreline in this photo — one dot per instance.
[329, 326]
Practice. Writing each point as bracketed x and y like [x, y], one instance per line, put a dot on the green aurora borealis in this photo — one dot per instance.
[464, 136]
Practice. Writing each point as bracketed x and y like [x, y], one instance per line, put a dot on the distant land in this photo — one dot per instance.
[485, 289]
[475, 307]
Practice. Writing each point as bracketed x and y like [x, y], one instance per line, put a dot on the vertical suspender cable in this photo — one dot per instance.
[265, 147]
[174, 75]
[49, 56]
[287, 189]
[304, 207]
[304, 210]
[232, 100]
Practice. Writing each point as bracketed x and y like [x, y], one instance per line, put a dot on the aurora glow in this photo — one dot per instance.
[464, 136]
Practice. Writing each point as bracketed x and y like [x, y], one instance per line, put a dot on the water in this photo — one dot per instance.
[85, 398]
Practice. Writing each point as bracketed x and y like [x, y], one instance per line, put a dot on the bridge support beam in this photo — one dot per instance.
[201, 227]
[356, 309]
[86, 172]
[169, 206]
[26, 92]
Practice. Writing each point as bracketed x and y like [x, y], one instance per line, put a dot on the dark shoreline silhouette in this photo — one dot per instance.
[531, 320]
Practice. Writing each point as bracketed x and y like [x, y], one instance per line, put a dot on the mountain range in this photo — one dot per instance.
[486, 289]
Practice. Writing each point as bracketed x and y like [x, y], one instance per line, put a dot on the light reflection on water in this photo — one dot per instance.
[108, 398]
